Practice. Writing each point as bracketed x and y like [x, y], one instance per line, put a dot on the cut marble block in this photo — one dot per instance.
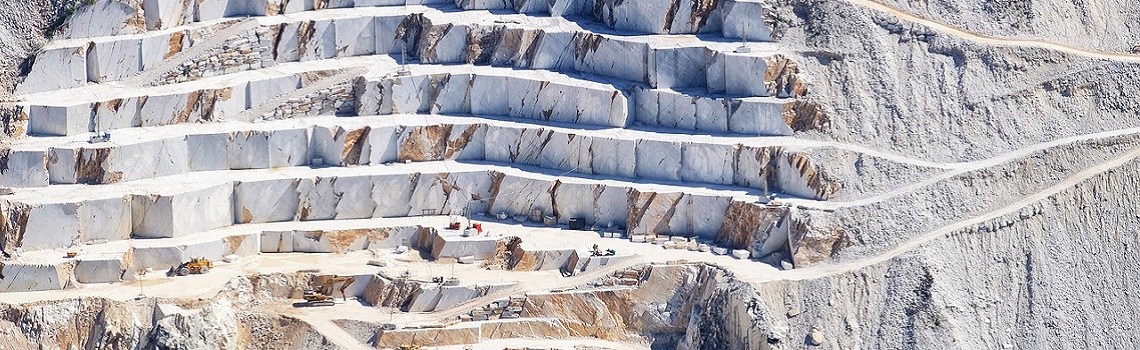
[108, 163]
[117, 114]
[486, 95]
[451, 245]
[208, 151]
[646, 16]
[393, 195]
[484, 4]
[595, 262]
[682, 110]
[744, 74]
[317, 41]
[388, 29]
[25, 168]
[162, 14]
[51, 225]
[103, 18]
[33, 277]
[105, 219]
[759, 116]
[59, 120]
[448, 43]
[248, 150]
[741, 20]
[288, 147]
[101, 268]
[265, 201]
[225, 103]
[468, 190]
[317, 199]
[114, 59]
[707, 163]
[518, 196]
[208, 10]
[659, 159]
[167, 109]
[277, 241]
[164, 215]
[338, 241]
[613, 157]
[567, 152]
[261, 91]
[752, 167]
[355, 197]
[678, 67]
[161, 257]
[355, 36]
[339, 146]
[577, 200]
[611, 57]
[543, 260]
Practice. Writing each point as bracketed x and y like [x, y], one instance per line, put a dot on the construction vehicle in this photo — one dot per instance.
[195, 266]
[409, 347]
[323, 296]
[598, 252]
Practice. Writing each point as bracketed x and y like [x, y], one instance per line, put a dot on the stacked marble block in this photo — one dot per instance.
[176, 106]
[339, 240]
[729, 18]
[74, 63]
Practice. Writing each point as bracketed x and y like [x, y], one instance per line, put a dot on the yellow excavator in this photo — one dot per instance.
[323, 296]
[195, 266]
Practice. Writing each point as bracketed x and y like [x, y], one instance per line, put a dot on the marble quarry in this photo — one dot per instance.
[355, 110]
[152, 132]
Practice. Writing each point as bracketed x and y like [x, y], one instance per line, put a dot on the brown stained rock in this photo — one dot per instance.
[272, 8]
[341, 240]
[652, 212]
[585, 44]
[702, 10]
[541, 329]
[603, 314]
[89, 169]
[13, 121]
[782, 77]
[246, 216]
[192, 100]
[13, 223]
[432, 336]
[823, 186]
[175, 45]
[304, 213]
[398, 293]
[429, 40]
[815, 242]
[461, 141]
[305, 32]
[410, 28]
[803, 115]
[5, 153]
[426, 143]
[746, 224]
[354, 142]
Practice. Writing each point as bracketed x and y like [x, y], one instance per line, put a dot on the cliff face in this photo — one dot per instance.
[902, 86]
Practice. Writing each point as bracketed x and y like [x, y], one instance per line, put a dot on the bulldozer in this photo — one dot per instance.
[323, 296]
[195, 265]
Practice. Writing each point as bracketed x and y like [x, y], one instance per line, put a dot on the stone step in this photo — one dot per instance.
[494, 91]
[769, 165]
[60, 216]
[673, 62]
[116, 261]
